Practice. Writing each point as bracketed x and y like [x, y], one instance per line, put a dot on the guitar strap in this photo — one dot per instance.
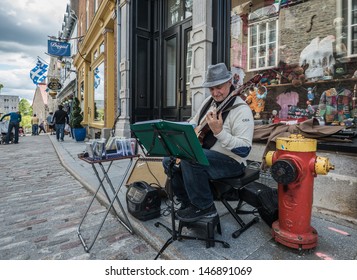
[209, 140]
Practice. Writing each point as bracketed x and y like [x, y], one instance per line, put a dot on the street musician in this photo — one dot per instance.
[224, 125]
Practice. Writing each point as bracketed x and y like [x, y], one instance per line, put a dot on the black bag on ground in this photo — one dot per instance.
[268, 210]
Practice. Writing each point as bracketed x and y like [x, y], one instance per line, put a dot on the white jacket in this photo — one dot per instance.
[235, 140]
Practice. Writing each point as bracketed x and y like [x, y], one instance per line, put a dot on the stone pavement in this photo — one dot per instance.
[46, 225]
[41, 205]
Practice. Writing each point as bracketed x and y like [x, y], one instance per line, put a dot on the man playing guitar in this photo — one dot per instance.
[224, 125]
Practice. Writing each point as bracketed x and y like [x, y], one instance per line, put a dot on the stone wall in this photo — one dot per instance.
[301, 23]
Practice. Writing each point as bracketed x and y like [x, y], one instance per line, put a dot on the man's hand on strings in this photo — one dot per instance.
[215, 121]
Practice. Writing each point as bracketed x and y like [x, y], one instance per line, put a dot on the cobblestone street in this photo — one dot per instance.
[41, 206]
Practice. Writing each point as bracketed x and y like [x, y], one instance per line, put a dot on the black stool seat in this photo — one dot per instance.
[210, 224]
[225, 185]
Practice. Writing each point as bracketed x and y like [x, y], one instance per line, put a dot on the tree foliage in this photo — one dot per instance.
[76, 114]
[25, 107]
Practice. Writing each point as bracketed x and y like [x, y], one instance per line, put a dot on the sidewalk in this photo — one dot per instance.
[337, 238]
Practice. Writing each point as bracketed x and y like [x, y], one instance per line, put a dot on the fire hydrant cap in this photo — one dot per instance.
[296, 143]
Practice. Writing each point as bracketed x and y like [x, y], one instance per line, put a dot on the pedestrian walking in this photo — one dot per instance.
[34, 122]
[49, 121]
[15, 119]
[60, 118]
[42, 127]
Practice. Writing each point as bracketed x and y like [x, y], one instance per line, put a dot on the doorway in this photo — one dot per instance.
[161, 60]
[176, 94]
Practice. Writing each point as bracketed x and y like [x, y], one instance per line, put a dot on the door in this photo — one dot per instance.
[161, 60]
[176, 93]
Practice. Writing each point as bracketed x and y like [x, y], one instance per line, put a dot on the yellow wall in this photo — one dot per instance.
[101, 30]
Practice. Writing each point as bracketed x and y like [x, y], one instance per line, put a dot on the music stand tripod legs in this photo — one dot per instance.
[175, 235]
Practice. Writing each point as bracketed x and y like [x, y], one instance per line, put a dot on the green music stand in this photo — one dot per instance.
[177, 141]
[165, 138]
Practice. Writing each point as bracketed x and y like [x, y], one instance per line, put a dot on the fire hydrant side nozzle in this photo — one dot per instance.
[269, 158]
[294, 165]
[323, 165]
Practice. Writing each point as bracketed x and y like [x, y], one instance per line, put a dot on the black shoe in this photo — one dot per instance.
[184, 205]
[193, 214]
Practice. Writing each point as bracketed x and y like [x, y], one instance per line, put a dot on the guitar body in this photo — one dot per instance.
[201, 132]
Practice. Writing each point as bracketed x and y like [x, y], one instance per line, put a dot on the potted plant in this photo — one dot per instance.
[76, 118]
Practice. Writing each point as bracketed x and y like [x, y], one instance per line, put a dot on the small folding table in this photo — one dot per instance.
[124, 219]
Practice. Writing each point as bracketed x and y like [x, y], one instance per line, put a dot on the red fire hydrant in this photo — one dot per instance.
[294, 165]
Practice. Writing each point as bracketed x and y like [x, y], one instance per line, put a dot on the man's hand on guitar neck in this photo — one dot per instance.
[215, 121]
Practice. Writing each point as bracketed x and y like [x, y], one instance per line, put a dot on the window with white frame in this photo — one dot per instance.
[87, 14]
[352, 28]
[263, 38]
[95, 6]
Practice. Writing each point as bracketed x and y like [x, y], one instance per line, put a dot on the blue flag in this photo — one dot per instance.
[38, 73]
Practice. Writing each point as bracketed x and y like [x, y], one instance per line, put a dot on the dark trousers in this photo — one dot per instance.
[191, 182]
[41, 129]
[11, 126]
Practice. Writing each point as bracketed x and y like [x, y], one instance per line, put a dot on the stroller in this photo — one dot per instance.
[4, 125]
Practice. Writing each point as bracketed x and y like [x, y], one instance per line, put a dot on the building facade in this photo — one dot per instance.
[95, 64]
[67, 74]
[40, 102]
[146, 59]
[141, 60]
[9, 103]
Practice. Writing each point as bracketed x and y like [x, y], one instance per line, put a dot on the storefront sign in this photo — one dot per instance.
[54, 84]
[59, 48]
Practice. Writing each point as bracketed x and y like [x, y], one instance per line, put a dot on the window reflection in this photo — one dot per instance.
[98, 78]
[171, 73]
[178, 10]
[188, 69]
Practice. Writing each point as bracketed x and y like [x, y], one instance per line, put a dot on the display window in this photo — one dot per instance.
[306, 53]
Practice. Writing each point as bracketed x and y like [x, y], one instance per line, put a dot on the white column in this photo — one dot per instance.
[201, 41]
[123, 125]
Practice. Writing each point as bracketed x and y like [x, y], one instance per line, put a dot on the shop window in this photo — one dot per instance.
[96, 5]
[98, 78]
[87, 14]
[82, 95]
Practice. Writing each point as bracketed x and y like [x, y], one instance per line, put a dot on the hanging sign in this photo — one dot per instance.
[54, 84]
[58, 48]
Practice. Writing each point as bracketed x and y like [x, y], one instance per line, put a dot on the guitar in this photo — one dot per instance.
[203, 128]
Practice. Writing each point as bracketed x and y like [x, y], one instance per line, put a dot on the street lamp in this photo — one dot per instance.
[66, 65]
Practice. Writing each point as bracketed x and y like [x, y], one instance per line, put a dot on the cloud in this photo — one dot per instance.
[24, 30]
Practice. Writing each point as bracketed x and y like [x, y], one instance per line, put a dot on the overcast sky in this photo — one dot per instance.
[24, 30]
